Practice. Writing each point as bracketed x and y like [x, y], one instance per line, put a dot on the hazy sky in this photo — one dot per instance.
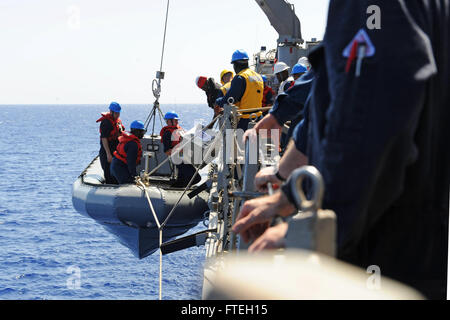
[96, 51]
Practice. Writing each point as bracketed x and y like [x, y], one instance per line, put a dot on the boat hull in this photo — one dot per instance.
[124, 211]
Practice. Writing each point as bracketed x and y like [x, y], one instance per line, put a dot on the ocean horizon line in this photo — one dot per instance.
[92, 104]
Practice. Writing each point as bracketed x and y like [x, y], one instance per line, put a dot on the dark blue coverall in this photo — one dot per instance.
[290, 105]
[126, 172]
[105, 131]
[381, 140]
[287, 85]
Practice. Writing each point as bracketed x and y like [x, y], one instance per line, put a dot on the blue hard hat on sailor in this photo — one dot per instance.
[239, 55]
[115, 107]
[136, 124]
[171, 115]
[299, 68]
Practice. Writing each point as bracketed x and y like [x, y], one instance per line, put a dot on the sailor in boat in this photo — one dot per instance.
[170, 138]
[246, 88]
[111, 128]
[382, 147]
[128, 154]
[281, 72]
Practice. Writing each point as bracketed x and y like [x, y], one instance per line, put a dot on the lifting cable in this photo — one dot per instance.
[155, 217]
[156, 83]
[157, 90]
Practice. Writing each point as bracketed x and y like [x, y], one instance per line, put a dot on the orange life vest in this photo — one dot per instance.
[117, 125]
[123, 140]
[174, 133]
[267, 89]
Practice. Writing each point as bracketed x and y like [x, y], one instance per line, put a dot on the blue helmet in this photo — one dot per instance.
[239, 55]
[171, 115]
[264, 78]
[115, 107]
[299, 68]
[136, 124]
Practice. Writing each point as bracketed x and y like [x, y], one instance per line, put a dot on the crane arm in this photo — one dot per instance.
[282, 17]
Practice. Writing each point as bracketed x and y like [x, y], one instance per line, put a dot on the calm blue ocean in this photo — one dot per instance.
[42, 238]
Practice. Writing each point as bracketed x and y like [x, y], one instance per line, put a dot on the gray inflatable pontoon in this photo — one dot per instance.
[124, 211]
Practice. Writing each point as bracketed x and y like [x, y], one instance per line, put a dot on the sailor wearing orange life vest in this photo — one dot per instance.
[268, 94]
[128, 154]
[111, 128]
[170, 137]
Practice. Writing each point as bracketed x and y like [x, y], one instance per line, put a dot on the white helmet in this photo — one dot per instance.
[305, 62]
[280, 67]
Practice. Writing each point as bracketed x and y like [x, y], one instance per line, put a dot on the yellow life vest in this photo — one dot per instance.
[253, 94]
[225, 88]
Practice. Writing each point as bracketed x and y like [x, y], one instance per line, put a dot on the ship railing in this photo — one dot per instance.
[311, 227]
[141, 183]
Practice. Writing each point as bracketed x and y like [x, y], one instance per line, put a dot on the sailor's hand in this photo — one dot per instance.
[272, 238]
[265, 176]
[217, 110]
[251, 134]
[109, 157]
[256, 215]
[268, 122]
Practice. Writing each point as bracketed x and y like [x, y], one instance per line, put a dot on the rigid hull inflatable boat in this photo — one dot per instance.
[124, 209]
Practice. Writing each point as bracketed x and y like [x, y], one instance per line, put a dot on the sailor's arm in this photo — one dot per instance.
[236, 91]
[288, 106]
[259, 212]
[272, 238]
[105, 144]
[105, 131]
[132, 153]
[167, 143]
[291, 160]
[213, 92]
